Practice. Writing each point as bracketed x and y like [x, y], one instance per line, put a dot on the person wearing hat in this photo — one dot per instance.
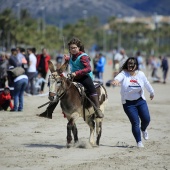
[42, 65]
[5, 99]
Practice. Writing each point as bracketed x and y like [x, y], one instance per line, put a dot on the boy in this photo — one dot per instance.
[5, 99]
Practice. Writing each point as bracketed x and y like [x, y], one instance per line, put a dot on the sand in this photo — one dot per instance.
[29, 142]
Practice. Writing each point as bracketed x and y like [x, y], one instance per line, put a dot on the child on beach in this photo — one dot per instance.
[39, 80]
[5, 99]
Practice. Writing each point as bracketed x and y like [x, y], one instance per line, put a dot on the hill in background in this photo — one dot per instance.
[69, 11]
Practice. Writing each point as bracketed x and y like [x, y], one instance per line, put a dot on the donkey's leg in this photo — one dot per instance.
[98, 130]
[75, 132]
[91, 124]
[69, 129]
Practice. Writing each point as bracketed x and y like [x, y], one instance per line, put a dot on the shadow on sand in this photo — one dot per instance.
[120, 145]
[45, 146]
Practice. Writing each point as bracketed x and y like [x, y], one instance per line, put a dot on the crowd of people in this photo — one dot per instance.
[152, 63]
[22, 71]
[36, 67]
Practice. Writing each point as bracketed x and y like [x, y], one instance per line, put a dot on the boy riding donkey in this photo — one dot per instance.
[81, 72]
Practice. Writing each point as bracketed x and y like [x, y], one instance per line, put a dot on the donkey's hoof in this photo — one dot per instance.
[69, 145]
[95, 145]
[92, 144]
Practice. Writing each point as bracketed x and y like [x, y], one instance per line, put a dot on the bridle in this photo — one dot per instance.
[58, 97]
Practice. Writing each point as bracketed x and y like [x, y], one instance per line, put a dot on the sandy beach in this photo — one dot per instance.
[28, 142]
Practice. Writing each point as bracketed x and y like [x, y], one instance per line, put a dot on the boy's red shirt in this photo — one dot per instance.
[4, 97]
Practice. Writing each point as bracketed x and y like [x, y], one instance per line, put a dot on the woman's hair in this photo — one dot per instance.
[76, 41]
[125, 65]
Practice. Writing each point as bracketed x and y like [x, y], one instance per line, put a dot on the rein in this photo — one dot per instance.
[57, 97]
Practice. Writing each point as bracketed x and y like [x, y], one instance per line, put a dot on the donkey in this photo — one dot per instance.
[75, 103]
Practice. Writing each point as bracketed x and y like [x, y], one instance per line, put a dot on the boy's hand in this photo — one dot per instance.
[73, 75]
[66, 57]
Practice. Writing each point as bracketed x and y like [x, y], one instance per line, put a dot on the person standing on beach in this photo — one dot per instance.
[119, 60]
[165, 67]
[31, 72]
[100, 66]
[20, 83]
[42, 65]
[140, 60]
[3, 69]
[132, 82]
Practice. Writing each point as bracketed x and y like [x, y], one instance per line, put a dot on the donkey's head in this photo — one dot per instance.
[56, 81]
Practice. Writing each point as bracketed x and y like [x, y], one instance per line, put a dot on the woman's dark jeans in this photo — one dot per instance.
[19, 88]
[134, 110]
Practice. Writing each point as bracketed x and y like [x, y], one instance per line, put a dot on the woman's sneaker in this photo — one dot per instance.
[145, 135]
[140, 144]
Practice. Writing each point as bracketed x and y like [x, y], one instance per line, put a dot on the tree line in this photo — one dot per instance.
[27, 31]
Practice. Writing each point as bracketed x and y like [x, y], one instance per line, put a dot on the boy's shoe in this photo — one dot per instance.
[45, 115]
[145, 135]
[140, 144]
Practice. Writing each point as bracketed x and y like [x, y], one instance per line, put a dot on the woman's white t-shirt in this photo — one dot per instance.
[132, 87]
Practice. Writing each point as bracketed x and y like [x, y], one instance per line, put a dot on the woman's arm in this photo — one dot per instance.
[118, 79]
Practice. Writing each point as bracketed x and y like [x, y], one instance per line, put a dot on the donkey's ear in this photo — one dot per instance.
[51, 66]
[63, 67]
